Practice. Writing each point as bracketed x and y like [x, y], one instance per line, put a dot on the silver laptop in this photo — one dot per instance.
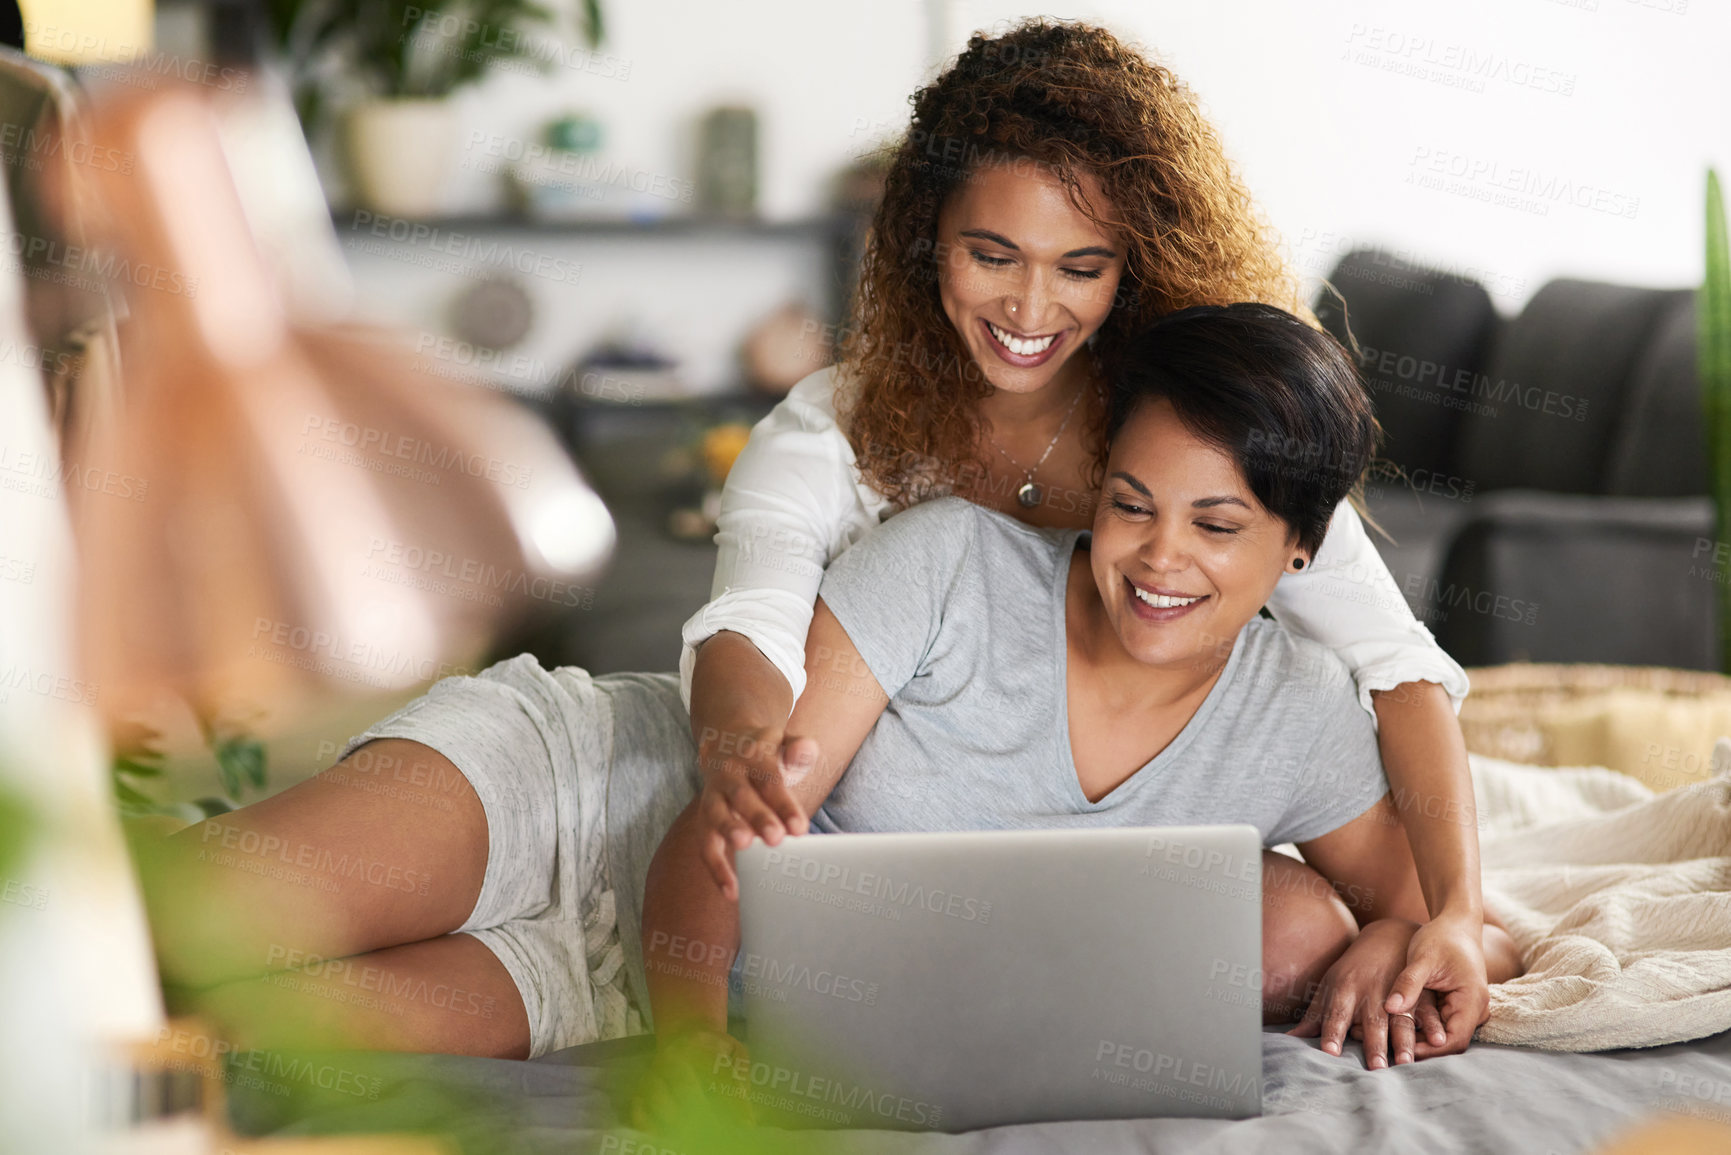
[976, 979]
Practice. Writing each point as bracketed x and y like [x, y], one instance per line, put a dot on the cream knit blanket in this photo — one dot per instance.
[1619, 900]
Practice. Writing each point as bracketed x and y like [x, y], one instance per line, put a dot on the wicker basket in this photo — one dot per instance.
[1656, 724]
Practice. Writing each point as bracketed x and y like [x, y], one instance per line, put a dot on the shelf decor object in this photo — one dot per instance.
[401, 136]
[727, 162]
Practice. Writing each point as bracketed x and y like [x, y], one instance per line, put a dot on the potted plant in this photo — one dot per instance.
[1715, 372]
[405, 60]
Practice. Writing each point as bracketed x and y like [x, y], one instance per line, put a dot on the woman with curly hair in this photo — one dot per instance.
[1055, 192]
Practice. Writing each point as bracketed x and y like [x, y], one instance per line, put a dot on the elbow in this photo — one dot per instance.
[1306, 926]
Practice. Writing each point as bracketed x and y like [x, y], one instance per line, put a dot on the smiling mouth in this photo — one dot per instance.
[1022, 346]
[1165, 601]
[1161, 606]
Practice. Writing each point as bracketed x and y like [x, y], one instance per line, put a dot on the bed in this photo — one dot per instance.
[1490, 1099]
[1606, 966]
[1619, 895]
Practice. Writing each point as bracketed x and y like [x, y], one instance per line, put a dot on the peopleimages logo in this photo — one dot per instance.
[1483, 602]
[1144, 1069]
[19, 676]
[303, 648]
[466, 251]
[307, 856]
[1176, 1068]
[1431, 376]
[762, 970]
[1453, 65]
[585, 170]
[877, 886]
[803, 1091]
[366, 439]
[1527, 185]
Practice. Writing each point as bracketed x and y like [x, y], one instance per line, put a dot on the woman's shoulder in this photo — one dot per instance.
[996, 542]
[1282, 662]
[799, 455]
[951, 513]
[802, 427]
[808, 416]
[943, 518]
[938, 534]
[811, 403]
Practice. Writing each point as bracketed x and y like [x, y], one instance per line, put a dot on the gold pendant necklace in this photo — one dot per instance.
[1030, 494]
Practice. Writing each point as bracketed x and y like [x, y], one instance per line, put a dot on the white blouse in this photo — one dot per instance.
[794, 501]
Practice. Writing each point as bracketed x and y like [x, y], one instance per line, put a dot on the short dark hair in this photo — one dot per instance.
[1283, 399]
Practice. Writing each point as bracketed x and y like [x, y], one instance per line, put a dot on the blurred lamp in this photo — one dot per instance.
[87, 31]
[320, 515]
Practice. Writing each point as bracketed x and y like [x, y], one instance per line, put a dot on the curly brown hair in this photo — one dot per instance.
[1070, 97]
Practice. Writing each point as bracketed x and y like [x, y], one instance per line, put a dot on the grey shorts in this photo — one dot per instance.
[579, 777]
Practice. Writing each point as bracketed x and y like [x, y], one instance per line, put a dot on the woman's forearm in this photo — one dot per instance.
[690, 934]
[1425, 758]
[738, 698]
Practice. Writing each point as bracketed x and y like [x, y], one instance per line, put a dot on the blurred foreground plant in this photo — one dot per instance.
[1715, 370]
[138, 760]
[14, 831]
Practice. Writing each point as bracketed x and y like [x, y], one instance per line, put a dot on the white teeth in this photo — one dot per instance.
[1020, 347]
[1162, 601]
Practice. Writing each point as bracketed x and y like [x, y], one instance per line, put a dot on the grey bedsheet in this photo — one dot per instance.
[1491, 1099]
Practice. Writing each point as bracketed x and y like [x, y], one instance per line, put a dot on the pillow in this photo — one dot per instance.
[1656, 725]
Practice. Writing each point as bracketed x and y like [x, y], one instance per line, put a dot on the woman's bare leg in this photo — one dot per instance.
[448, 994]
[385, 848]
[1305, 927]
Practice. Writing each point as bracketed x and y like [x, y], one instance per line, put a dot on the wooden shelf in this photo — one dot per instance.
[820, 228]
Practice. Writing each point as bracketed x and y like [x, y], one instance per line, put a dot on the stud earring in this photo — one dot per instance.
[1297, 563]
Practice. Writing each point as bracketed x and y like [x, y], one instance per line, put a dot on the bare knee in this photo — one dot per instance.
[450, 994]
[387, 847]
[1305, 928]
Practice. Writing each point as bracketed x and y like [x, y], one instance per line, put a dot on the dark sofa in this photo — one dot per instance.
[1544, 492]
[1546, 477]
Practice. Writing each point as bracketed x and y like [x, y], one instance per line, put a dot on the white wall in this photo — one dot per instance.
[1621, 104]
[1333, 140]
[820, 73]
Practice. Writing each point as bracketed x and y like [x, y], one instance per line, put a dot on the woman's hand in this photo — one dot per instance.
[1447, 956]
[740, 705]
[1425, 756]
[751, 769]
[745, 795]
[1355, 990]
[689, 1084]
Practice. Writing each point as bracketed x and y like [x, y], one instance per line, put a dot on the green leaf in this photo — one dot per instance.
[244, 758]
[131, 801]
[139, 763]
[147, 764]
[230, 778]
[1715, 374]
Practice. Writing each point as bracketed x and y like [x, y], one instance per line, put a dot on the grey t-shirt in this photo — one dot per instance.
[958, 611]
